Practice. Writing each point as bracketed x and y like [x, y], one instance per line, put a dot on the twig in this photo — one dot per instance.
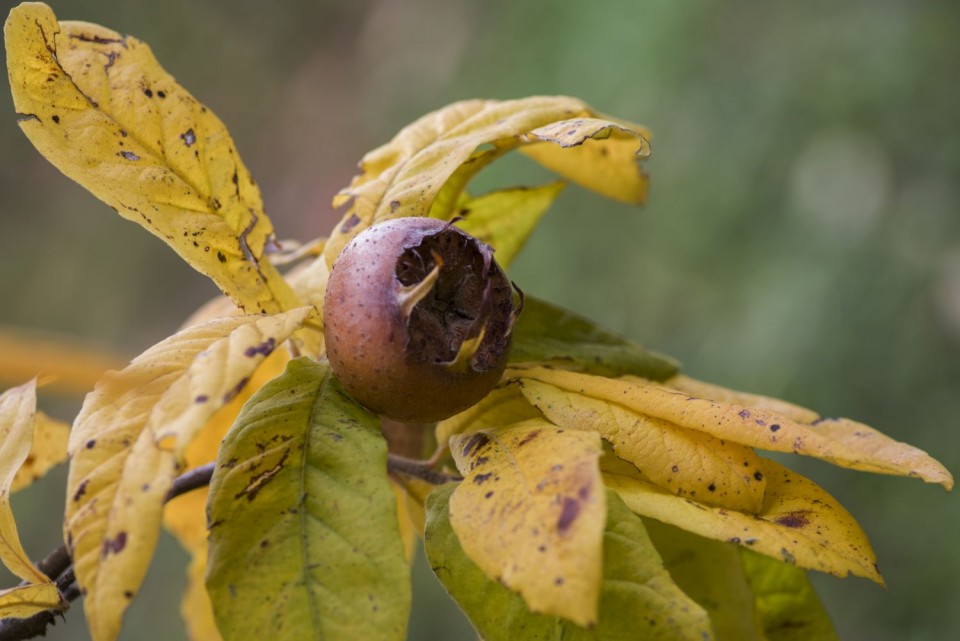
[416, 468]
[58, 565]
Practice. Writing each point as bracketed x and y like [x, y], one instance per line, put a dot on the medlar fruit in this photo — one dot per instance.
[418, 319]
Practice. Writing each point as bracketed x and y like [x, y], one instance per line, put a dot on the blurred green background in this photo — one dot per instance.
[802, 238]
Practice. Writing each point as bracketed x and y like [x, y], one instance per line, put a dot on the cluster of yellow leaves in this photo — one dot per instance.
[681, 459]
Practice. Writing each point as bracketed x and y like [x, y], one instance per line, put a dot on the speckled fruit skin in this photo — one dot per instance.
[367, 335]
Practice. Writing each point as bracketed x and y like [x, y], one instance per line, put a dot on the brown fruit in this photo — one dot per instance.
[418, 319]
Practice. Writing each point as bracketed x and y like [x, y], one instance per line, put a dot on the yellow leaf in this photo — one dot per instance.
[414, 501]
[405, 176]
[505, 218]
[597, 153]
[309, 281]
[838, 441]
[18, 408]
[49, 449]
[531, 511]
[501, 407]
[73, 366]
[128, 442]
[195, 607]
[683, 461]
[99, 107]
[26, 600]
[408, 529]
[799, 523]
[700, 389]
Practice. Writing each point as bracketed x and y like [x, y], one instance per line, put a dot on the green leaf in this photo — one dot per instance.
[638, 597]
[749, 596]
[505, 218]
[787, 606]
[551, 334]
[304, 541]
[712, 574]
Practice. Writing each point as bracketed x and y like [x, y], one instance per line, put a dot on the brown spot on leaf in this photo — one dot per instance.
[394, 205]
[568, 514]
[21, 117]
[91, 443]
[774, 427]
[349, 223]
[148, 92]
[56, 119]
[758, 476]
[128, 594]
[265, 348]
[480, 479]
[475, 442]
[81, 490]
[188, 137]
[115, 545]
[795, 519]
[128, 155]
[231, 394]
[529, 437]
[712, 487]
[259, 481]
[744, 414]
[202, 398]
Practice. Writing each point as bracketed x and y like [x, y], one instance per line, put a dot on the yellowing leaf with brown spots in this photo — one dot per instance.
[501, 407]
[531, 512]
[682, 461]
[48, 450]
[599, 154]
[99, 107]
[304, 540]
[505, 218]
[26, 600]
[406, 176]
[839, 441]
[700, 389]
[128, 442]
[799, 523]
[638, 599]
